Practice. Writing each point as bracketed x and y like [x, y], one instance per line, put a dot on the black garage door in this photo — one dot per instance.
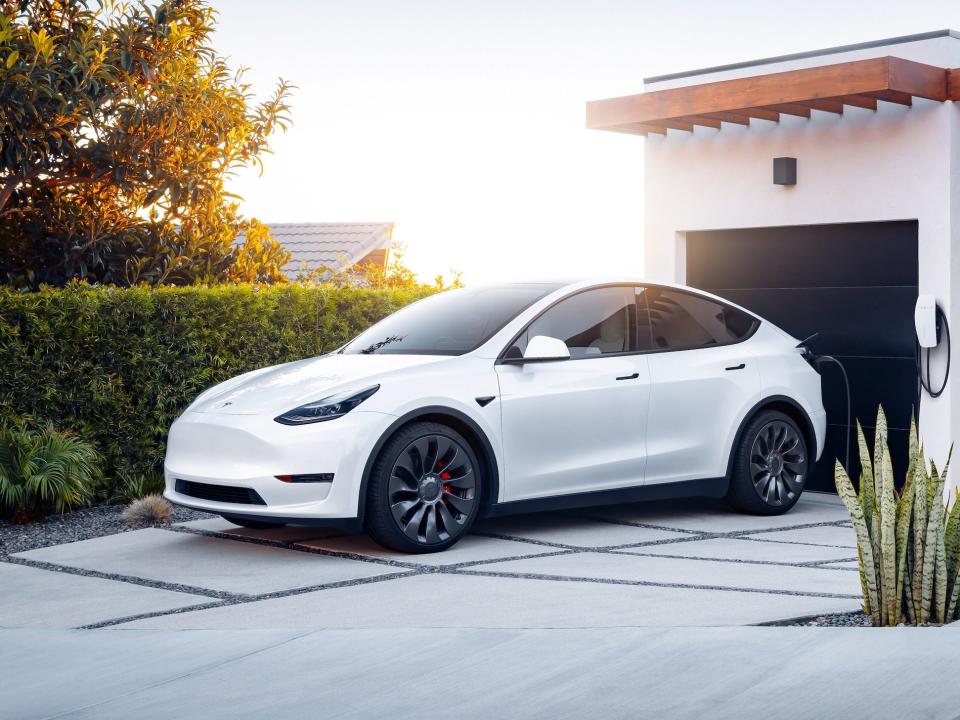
[855, 284]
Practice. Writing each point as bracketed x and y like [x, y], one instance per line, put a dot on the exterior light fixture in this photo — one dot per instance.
[784, 171]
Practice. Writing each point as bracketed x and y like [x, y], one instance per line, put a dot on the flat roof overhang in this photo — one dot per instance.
[860, 83]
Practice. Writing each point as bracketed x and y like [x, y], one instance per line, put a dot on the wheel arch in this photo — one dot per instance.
[463, 424]
[789, 407]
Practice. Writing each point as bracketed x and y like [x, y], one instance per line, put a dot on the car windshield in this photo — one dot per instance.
[448, 323]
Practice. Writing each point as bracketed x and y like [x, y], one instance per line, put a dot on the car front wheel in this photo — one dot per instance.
[770, 465]
[424, 489]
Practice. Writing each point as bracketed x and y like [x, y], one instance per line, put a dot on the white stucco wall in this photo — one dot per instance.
[897, 163]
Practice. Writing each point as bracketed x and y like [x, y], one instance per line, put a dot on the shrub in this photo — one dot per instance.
[149, 510]
[908, 543]
[118, 365]
[129, 488]
[44, 470]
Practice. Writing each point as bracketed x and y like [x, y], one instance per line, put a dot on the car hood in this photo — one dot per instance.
[280, 388]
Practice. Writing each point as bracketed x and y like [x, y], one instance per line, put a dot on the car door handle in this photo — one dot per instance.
[629, 377]
[741, 366]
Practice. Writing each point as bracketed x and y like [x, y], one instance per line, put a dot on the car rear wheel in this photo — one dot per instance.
[770, 466]
[252, 524]
[424, 489]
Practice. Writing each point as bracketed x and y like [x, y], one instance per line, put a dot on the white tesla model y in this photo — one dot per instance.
[494, 400]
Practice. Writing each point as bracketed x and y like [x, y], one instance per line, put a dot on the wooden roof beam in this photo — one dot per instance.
[792, 109]
[893, 96]
[953, 84]
[886, 78]
[702, 120]
[826, 105]
[730, 117]
[860, 101]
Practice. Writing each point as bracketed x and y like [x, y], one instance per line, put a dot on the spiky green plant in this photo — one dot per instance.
[908, 543]
[43, 470]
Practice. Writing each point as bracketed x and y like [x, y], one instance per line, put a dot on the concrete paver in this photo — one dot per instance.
[681, 673]
[291, 533]
[757, 550]
[716, 516]
[470, 549]
[737, 575]
[573, 531]
[451, 601]
[32, 597]
[212, 563]
[826, 535]
[546, 570]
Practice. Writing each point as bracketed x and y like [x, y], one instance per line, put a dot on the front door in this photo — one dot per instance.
[577, 425]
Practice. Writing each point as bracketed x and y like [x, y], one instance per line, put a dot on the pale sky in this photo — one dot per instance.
[463, 121]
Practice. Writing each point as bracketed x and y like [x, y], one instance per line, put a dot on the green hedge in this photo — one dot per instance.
[118, 365]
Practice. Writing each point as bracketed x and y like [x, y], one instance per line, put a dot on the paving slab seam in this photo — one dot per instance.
[811, 564]
[147, 615]
[129, 579]
[528, 541]
[537, 556]
[729, 533]
[632, 523]
[818, 563]
[295, 546]
[796, 542]
[300, 547]
[254, 598]
[650, 583]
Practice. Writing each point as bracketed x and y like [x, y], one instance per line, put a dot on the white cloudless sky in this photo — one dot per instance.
[463, 120]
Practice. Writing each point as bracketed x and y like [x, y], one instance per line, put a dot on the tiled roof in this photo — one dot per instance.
[336, 246]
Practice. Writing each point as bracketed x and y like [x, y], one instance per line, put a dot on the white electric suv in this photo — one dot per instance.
[512, 398]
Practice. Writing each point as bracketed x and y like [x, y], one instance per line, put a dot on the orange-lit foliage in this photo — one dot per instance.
[120, 125]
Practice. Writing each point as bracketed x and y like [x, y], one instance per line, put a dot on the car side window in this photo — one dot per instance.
[676, 320]
[591, 323]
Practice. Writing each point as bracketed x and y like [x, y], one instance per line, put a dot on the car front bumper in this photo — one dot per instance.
[218, 458]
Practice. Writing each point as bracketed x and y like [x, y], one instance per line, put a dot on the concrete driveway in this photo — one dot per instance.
[691, 562]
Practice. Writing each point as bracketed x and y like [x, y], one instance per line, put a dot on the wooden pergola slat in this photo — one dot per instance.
[859, 83]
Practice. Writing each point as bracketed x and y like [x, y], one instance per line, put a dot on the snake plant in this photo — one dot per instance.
[908, 542]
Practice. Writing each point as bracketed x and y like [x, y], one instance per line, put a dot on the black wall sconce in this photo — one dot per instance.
[784, 171]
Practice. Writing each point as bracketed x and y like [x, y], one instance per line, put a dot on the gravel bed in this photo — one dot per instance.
[71, 527]
[853, 619]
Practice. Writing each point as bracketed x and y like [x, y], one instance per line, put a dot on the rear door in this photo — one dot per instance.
[577, 425]
[701, 378]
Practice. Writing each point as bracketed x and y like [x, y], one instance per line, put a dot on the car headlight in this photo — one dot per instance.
[328, 408]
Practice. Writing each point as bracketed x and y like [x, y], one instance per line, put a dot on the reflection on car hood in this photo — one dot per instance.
[283, 387]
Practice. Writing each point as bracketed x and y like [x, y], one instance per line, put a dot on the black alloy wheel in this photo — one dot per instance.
[770, 465]
[424, 490]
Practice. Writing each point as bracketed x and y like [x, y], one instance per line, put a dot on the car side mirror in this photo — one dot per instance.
[543, 348]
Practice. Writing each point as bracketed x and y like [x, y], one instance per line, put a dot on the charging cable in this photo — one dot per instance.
[818, 359]
[926, 383]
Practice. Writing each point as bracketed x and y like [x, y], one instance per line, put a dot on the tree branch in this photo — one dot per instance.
[9, 187]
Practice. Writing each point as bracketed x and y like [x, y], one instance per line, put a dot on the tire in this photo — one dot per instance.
[424, 490]
[252, 524]
[771, 464]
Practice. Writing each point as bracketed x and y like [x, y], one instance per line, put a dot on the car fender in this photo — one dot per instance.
[478, 425]
[809, 429]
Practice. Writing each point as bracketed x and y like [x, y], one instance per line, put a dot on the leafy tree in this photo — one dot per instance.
[120, 126]
[260, 259]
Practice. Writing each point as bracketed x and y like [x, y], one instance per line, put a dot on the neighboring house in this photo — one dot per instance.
[334, 246]
[821, 190]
